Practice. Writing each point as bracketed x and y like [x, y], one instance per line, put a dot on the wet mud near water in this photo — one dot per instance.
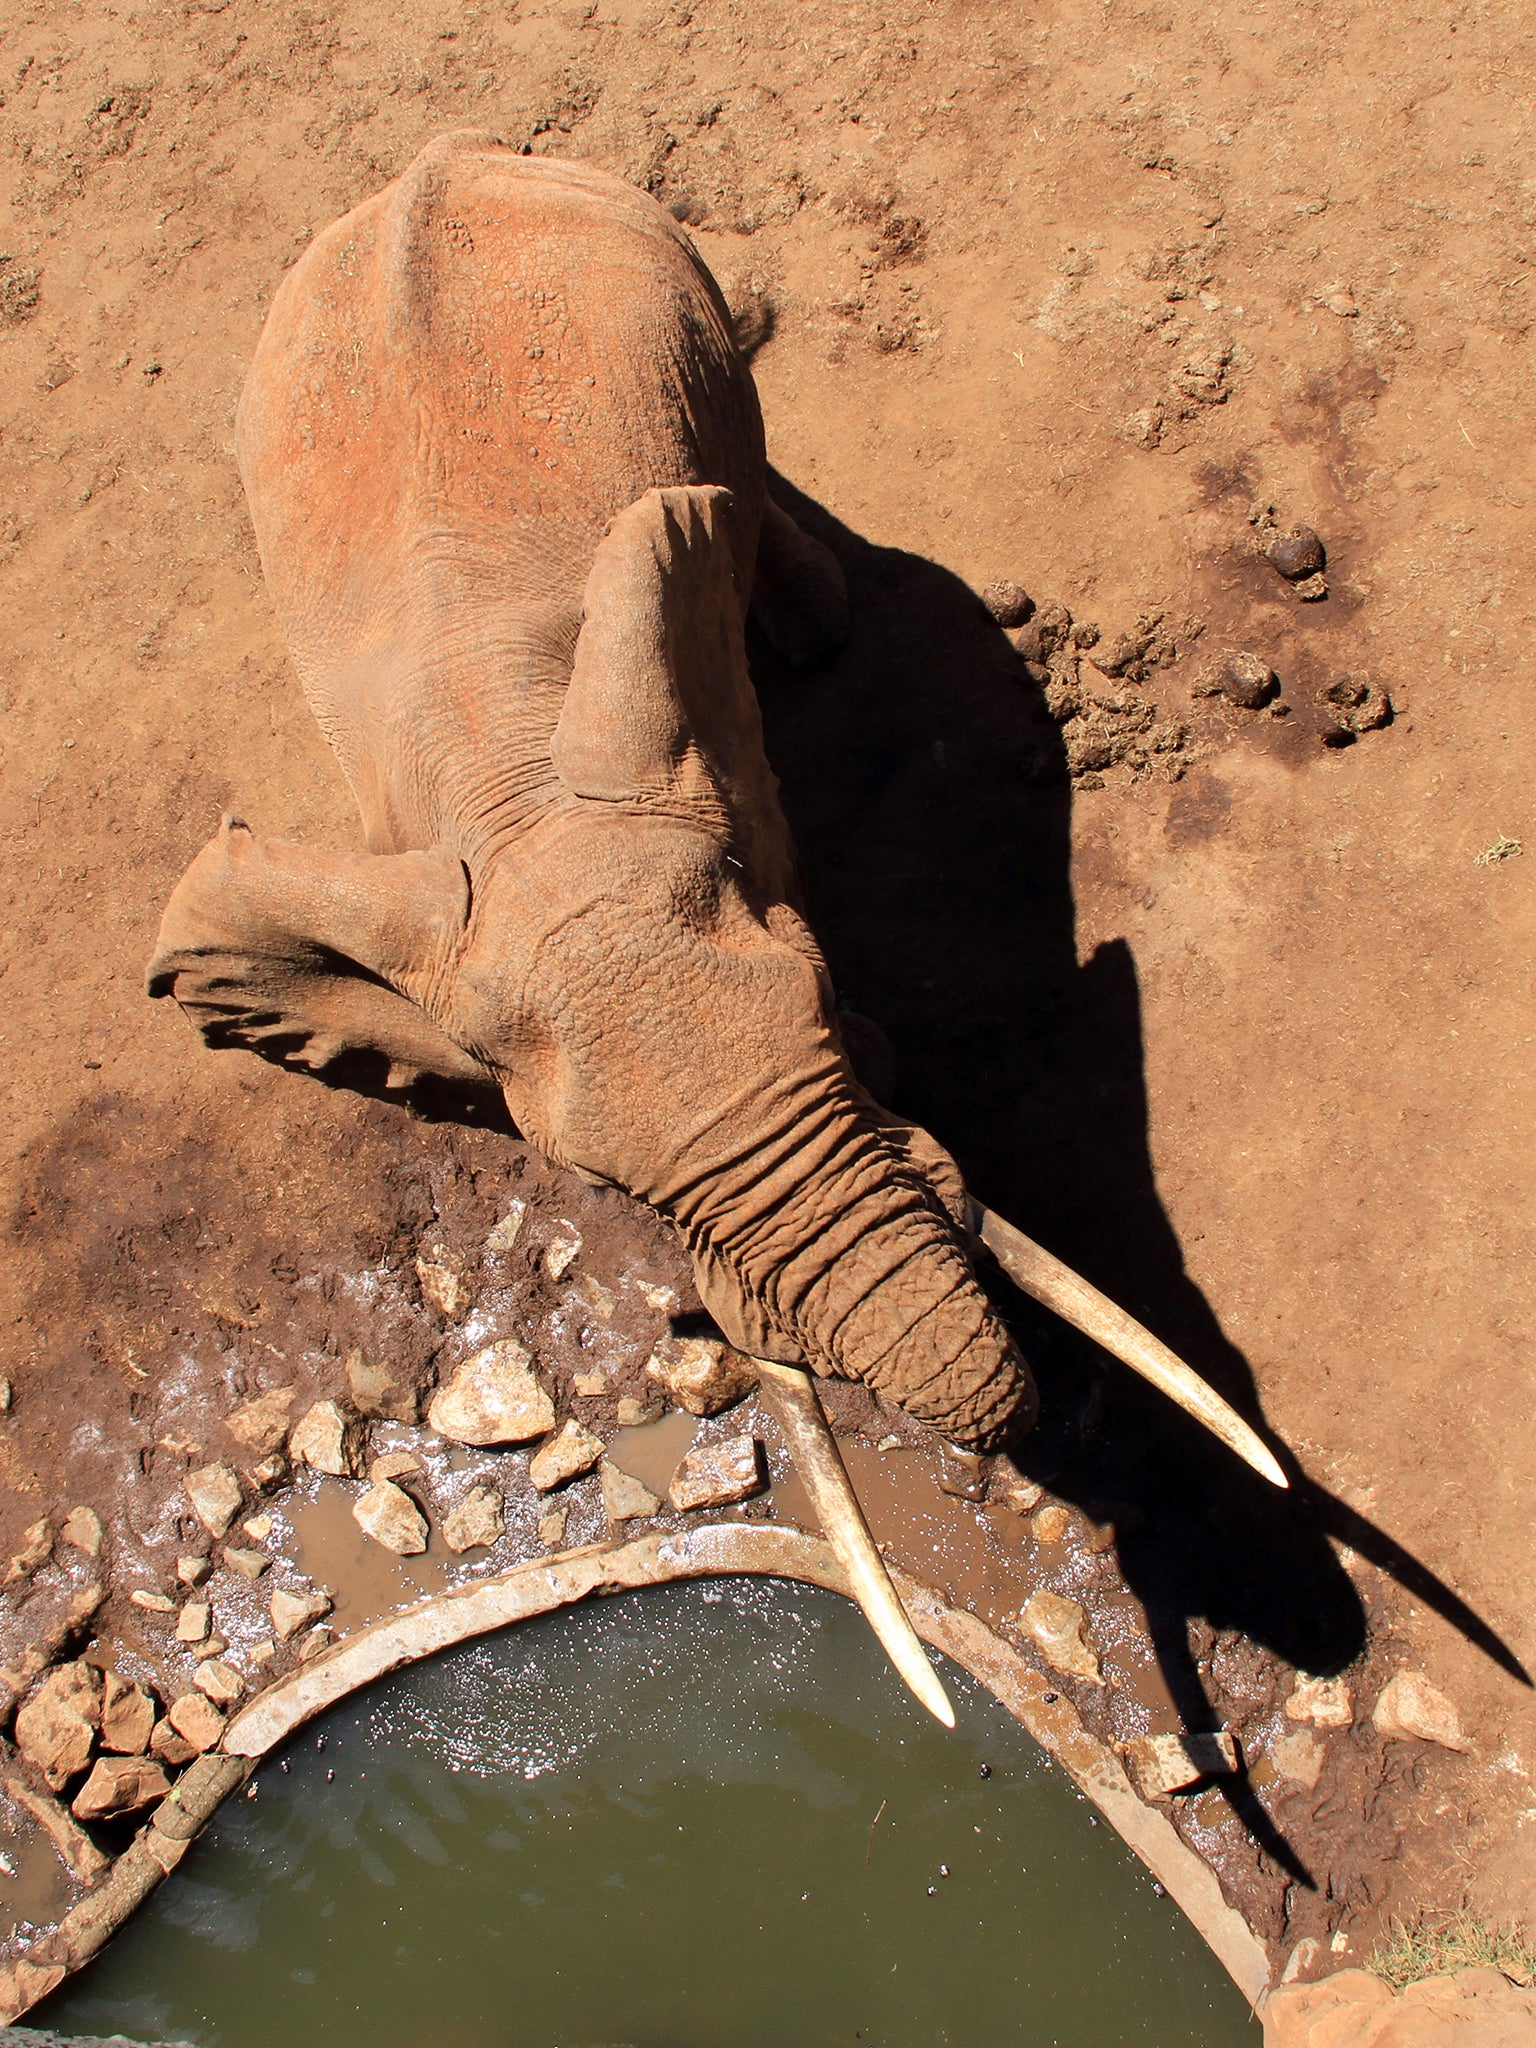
[676, 1818]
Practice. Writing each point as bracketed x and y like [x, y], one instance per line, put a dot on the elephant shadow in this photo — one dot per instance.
[928, 793]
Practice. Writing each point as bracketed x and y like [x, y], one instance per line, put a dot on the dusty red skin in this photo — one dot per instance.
[506, 469]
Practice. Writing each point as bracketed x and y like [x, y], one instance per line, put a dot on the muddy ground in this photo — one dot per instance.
[1231, 1007]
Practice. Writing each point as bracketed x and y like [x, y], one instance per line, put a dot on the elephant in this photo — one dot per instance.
[506, 468]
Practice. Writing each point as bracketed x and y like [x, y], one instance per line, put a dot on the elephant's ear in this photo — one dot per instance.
[660, 715]
[318, 960]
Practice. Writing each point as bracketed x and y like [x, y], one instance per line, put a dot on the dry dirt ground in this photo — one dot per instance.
[1236, 1019]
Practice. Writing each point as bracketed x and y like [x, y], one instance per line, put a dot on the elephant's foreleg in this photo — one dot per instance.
[799, 594]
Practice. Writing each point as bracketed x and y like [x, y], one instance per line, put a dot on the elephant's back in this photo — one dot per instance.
[459, 385]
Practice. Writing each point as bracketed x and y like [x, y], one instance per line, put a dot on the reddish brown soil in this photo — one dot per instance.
[1244, 1030]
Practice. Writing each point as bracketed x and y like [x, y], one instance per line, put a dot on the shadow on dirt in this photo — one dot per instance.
[927, 790]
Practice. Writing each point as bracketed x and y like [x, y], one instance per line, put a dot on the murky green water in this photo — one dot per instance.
[699, 1817]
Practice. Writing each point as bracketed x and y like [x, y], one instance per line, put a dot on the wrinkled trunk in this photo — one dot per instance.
[844, 1250]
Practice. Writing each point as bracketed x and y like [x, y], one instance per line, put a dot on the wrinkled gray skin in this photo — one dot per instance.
[506, 469]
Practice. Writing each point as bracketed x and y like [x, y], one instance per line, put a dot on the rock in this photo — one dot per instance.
[1325, 1702]
[1299, 1757]
[1411, 1709]
[220, 1681]
[1050, 1523]
[127, 1716]
[1168, 1763]
[1296, 553]
[262, 1651]
[272, 1471]
[1341, 303]
[509, 1229]
[380, 1391]
[317, 1640]
[702, 1374]
[716, 1475]
[1009, 603]
[1476, 2008]
[396, 1465]
[392, 1518]
[294, 1611]
[120, 1784]
[562, 1250]
[328, 1438]
[261, 1425]
[639, 1414]
[215, 1646]
[442, 1283]
[963, 1474]
[624, 1497]
[193, 1570]
[196, 1720]
[152, 1603]
[476, 1522]
[250, 1564]
[1022, 1496]
[552, 1528]
[1059, 1627]
[258, 1528]
[216, 1497]
[57, 1726]
[493, 1398]
[36, 1549]
[1247, 682]
[194, 1622]
[592, 1386]
[82, 1530]
[171, 1748]
[574, 1449]
[598, 1298]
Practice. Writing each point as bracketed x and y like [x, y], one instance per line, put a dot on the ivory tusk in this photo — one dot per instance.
[792, 1397]
[1032, 1268]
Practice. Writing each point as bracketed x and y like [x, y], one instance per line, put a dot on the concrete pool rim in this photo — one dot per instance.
[543, 1585]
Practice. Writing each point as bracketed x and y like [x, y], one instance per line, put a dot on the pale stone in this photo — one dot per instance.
[262, 1651]
[1050, 1523]
[83, 1531]
[396, 1465]
[171, 1747]
[1411, 1709]
[442, 1284]
[293, 1611]
[493, 1398]
[317, 1640]
[221, 1682]
[659, 1297]
[1299, 1757]
[476, 1522]
[216, 1497]
[598, 1298]
[508, 1230]
[261, 1425]
[552, 1528]
[272, 1471]
[378, 1390]
[36, 1548]
[215, 1646]
[327, 1438]
[702, 1374]
[562, 1250]
[716, 1475]
[624, 1497]
[1168, 1763]
[57, 1726]
[1059, 1627]
[573, 1450]
[119, 1784]
[592, 1386]
[258, 1528]
[193, 1570]
[392, 1518]
[152, 1603]
[250, 1564]
[127, 1716]
[639, 1414]
[1022, 1497]
[194, 1622]
[1325, 1702]
[196, 1720]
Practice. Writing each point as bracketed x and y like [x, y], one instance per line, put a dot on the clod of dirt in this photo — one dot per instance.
[1311, 589]
[1009, 603]
[1054, 622]
[1247, 682]
[1297, 552]
[1357, 706]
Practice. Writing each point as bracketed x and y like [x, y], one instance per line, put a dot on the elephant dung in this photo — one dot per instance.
[57, 1726]
[392, 1518]
[716, 1475]
[1060, 1629]
[216, 1496]
[702, 1374]
[327, 1438]
[1168, 1763]
[118, 1785]
[493, 1398]
[476, 1522]
[625, 1497]
[576, 1449]
[1412, 1709]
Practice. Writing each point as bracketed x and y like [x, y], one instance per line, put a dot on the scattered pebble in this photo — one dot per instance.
[56, 1727]
[36, 1549]
[507, 1231]
[702, 1374]
[262, 1424]
[1060, 1629]
[1299, 1757]
[119, 1785]
[1050, 1523]
[216, 1496]
[153, 1603]
[328, 1439]
[83, 1531]
[194, 1622]
[552, 1528]
[441, 1282]
[378, 1390]
[635, 1414]
[493, 1398]
[193, 1570]
[574, 1449]
[562, 1251]
[396, 1465]
[294, 1611]
[258, 1528]
[221, 1682]
[1169, 1763]
[250, 1564]
[624, 1497]
[719, 1474]
[591, 1386]
[598, 1298]
[1022, 1496]
[1325, 1702]
[392, 1518]
[476, 1522]
[197, 1720]
[1410, 1708]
